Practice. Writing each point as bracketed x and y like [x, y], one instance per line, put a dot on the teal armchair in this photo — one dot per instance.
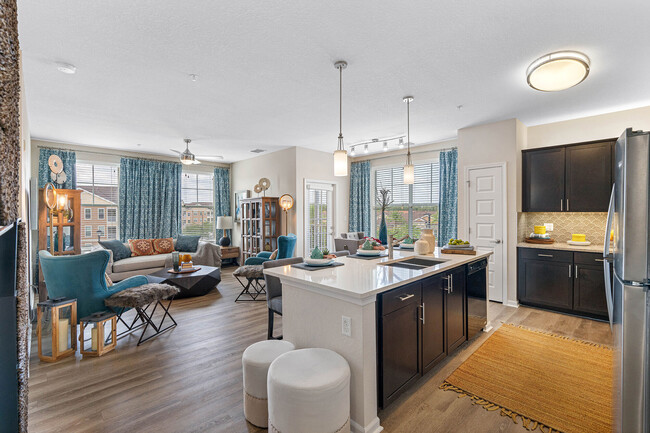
[286, 247]
[82, 277]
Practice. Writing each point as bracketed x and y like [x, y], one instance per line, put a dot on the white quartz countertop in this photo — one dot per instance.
[361, 279]
[593, 248]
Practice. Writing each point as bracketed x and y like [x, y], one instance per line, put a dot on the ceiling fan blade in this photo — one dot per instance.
[175, 151]
[209, 157]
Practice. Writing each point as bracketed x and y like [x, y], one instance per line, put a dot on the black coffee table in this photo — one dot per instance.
[191, 284]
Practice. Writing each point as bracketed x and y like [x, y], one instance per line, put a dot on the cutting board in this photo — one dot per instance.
[465, 252]
[539, 241]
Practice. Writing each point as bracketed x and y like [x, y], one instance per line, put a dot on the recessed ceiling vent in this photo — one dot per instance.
[258, 150]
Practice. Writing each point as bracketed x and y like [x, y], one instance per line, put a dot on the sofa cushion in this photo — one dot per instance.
[187, 244]
[120, 251]
[163, 246]
[141, 247]
[140, 262]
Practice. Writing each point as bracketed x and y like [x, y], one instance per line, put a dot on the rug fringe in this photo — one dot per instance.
[561, 337]
[528, 423]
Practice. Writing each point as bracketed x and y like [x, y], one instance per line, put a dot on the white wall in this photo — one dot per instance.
[319, 166]
[280, 168]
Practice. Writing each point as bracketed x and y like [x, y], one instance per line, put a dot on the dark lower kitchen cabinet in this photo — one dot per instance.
[570, 282]
[419, 324]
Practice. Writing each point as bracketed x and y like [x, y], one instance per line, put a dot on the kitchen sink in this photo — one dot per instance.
[415, 263]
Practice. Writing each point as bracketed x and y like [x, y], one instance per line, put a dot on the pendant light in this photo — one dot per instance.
[409, 170]
[340, 154]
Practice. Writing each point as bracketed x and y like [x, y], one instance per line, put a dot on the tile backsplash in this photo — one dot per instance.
[565, 224]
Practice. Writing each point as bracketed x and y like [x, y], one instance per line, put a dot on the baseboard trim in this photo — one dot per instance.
[513, 304]
[372, 427]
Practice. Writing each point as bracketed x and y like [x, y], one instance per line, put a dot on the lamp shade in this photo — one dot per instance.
[224, 222]
[340, 163]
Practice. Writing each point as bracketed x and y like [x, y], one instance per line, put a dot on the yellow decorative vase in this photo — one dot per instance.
[428, 236]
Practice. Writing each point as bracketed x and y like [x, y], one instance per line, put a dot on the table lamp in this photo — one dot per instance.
[224, 223]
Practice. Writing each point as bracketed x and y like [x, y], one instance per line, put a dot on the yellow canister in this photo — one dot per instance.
[578, 238]
[539, 230]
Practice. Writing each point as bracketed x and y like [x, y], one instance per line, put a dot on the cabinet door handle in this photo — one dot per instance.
[447, 288]
[561, 205]
[451, 283]
[567, 205]
[599, 260]
[405, 297]
[576, 272]
[545, 255]
[570, 271]
[423, 311]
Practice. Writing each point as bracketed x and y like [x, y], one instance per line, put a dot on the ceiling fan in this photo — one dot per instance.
[189, 158]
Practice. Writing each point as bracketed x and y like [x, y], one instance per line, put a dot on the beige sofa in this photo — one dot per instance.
[207, 254]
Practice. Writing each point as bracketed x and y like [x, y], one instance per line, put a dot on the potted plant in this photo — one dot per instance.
[383, 200]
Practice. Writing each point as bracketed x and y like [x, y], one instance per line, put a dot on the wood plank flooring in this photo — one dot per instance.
[189, 379]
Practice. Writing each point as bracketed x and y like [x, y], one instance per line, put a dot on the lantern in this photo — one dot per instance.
[103, 333]
[56, 329]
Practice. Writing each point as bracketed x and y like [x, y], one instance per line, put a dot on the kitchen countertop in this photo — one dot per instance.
[364, 279]
[593, 248]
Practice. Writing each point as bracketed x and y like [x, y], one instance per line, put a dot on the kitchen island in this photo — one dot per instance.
[348, 309]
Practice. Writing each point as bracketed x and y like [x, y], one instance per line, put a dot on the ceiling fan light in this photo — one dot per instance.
[558, 71]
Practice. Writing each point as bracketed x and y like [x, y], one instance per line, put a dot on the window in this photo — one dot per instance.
[197, 199]
[88, 231]
[100, 188]
[101, 231]
[112, 233]
[318, 216]
[414, 206]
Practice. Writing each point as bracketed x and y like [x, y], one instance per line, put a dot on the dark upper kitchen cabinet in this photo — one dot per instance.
[571, 282]
[571, 178]
[588, 177]
[543, 180]
[455, 308]
[434, 347]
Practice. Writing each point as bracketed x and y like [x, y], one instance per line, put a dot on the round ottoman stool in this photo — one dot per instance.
[255, 362]
[309, 391]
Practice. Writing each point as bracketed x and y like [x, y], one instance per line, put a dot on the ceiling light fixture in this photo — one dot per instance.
[558, 71]
[352, 151]
[385, 146]
[66, 68]
[401, 143]
[365, 148]
[194, 77]
[340, 154]
[409, 170]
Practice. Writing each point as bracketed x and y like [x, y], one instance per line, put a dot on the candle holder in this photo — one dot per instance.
[103, 333]
[56, 329]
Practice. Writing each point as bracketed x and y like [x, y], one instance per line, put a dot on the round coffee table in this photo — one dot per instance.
[191, 284]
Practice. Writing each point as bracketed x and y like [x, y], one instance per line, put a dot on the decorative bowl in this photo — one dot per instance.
[318, 262]
[409, 246]
[368, 252]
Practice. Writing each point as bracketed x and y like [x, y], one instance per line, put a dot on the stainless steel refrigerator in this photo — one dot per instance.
[627, 290]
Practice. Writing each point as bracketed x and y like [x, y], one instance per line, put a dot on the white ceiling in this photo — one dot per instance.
[266, 74]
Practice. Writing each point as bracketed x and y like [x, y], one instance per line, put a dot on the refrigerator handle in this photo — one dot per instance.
[609, 295]
[608, 229]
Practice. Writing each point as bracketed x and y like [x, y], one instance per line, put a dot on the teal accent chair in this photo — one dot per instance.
[286, 247]
[82, 277]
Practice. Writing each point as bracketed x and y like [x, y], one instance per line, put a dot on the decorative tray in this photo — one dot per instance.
[539, 241]
[183, 271]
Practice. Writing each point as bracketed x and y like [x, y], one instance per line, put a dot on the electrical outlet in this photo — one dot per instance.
[549, 227]
[346, 326]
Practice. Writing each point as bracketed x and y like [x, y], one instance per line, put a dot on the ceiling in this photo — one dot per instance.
[266, 77]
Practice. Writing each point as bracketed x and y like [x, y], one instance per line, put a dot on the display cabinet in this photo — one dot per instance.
[260, 225]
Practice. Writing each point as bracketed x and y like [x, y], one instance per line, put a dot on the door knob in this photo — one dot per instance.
[496, 241]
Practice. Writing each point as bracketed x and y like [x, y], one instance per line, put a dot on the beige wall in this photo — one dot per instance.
[280, 168]
[610, 125]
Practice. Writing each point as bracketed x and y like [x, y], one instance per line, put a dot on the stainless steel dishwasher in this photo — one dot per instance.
[476, 297]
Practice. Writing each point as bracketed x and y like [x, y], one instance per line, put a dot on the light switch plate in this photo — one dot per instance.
[346, 326]
[549, 227]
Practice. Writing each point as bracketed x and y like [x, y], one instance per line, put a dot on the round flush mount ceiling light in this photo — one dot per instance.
[558, 71]
[66, 68]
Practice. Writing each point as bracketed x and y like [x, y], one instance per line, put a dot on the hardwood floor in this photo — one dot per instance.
[189, 379]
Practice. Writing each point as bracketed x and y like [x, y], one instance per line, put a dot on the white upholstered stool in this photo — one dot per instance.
[309, 391]
[255, 362]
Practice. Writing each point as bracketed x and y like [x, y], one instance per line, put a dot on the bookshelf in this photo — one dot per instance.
[260, 225]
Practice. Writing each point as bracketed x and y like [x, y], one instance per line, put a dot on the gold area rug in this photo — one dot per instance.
[553, 383]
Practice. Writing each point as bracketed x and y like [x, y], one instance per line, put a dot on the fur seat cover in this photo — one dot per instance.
[250, 271]
[141, 296]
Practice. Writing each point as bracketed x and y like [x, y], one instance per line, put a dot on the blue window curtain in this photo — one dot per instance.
[221, 195]
[69, 159]
[448, 196]
[360, 206]
[150, 199]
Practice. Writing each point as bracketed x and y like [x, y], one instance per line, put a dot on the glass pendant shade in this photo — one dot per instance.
[409, 174]
[340, 163]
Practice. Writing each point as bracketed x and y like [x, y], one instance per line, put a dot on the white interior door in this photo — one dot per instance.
[485, 221]
[319, 216]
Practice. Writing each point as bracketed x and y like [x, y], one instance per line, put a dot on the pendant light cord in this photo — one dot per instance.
[408, 132]
[340, 146]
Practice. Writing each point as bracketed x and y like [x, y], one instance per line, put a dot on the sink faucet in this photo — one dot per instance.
[390, 247]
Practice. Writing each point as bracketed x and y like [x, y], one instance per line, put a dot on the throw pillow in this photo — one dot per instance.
[163, 246]
[141, 247]
[109, 282]
[120, 251]
[274, 255]
[187, 244]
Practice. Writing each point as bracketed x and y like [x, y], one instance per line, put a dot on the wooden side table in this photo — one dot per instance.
[231, 253]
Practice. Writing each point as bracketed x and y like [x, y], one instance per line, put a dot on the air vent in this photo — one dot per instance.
[258, 150]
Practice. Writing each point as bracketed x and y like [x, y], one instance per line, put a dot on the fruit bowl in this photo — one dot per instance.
[318, 262]
[368, 252]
